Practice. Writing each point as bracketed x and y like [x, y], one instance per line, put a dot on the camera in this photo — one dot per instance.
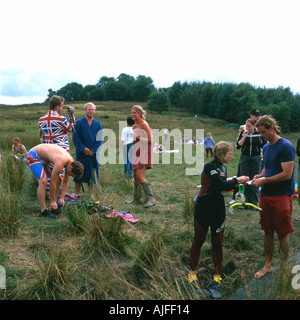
[70, 109]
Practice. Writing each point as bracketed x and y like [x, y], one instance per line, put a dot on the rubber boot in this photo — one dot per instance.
[148, 192]
[136, 194]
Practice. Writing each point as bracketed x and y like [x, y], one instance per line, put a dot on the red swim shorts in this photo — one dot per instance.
[276, 214]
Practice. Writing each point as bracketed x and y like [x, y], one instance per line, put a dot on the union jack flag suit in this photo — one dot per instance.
[54, 129]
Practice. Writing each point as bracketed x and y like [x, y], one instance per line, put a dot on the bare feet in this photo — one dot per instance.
[263, 272]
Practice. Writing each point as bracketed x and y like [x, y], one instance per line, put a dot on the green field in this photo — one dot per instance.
[81, 257]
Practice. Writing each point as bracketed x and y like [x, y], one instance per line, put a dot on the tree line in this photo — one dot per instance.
[229, 101]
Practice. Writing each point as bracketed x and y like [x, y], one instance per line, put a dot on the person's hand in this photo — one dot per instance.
[53, 205]
[70, 110]
[61, 201]
[241, 129]
[86, 151]
[258, 182]
[243, 179]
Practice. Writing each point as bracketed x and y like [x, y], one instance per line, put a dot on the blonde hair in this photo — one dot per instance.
[89, 104]
[221, 148]
[140, 111]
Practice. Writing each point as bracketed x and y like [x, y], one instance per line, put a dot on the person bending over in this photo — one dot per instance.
[50, 160]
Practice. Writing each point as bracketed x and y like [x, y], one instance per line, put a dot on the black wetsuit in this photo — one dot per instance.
[210, 211]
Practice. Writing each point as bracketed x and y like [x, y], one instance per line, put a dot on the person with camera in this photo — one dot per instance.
[54, 127]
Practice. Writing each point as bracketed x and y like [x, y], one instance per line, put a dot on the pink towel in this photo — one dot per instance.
[128, 217]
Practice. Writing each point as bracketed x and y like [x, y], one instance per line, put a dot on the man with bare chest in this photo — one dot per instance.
[49, 160]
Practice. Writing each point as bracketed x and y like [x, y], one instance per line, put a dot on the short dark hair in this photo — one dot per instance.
[130, 121]
[256, 112]
[77, 169]
[55, 101]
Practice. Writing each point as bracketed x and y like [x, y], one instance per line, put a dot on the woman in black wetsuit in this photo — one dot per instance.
[209, 208]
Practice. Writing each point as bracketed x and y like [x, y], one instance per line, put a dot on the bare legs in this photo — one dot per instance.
[269, 246]
[41, 191]
[139, 176]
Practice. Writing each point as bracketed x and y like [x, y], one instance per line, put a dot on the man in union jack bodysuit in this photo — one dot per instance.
[54, 127]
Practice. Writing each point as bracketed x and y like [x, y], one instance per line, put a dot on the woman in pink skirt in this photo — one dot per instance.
[142, 156]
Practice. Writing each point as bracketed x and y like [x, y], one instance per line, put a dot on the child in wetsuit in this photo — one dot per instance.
[209, 209]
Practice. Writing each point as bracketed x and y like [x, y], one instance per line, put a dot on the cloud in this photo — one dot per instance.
[16, 82]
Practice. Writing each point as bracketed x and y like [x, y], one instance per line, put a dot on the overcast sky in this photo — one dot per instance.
[47, 44]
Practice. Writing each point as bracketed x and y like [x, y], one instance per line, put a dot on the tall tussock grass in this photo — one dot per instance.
[104, 235]
[12, 173]
[16, 128]
[188, 205]
[9, 212]
[100, 234]
[147, 257]
[77, 217]
[51, 280]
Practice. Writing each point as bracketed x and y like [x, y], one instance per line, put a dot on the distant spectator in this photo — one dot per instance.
[166, 131]
[126, 144]
[158, 148]
[209, 142]
[18, 149]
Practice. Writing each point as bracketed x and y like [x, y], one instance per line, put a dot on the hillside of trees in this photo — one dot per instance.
[229, 101]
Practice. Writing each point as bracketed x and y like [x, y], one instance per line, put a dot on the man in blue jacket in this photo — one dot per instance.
[87, 142]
